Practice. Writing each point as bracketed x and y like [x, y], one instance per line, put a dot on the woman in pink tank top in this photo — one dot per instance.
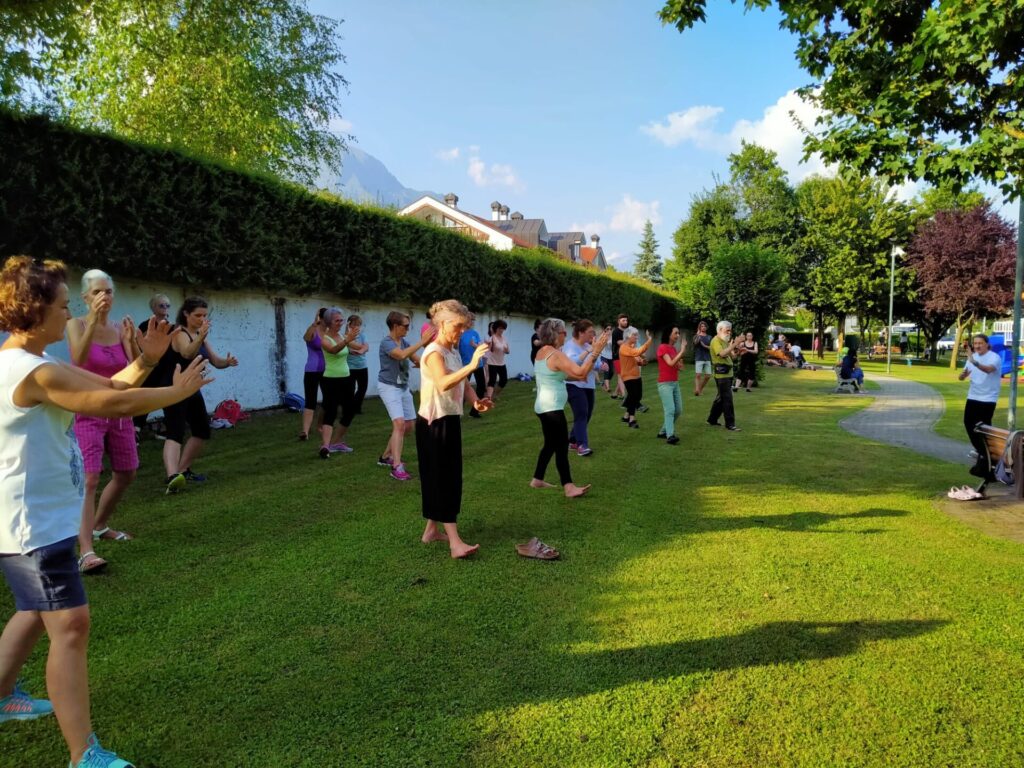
[103, 347]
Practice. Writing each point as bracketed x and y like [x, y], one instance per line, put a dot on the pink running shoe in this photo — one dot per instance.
[340, 448]
[399, 473]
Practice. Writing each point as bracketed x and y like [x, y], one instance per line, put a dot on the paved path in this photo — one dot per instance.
[903, 414]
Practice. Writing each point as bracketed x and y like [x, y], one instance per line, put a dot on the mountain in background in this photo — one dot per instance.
[365, 179]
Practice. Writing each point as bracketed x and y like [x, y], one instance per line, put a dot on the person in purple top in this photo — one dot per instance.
[313, 377]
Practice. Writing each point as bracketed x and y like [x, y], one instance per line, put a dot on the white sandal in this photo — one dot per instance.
[96, 567]
[119, 535]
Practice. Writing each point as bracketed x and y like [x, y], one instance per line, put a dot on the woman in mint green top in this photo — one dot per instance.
[551, 369]
[337, 385]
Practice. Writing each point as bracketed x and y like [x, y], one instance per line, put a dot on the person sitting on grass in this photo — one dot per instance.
[41, 491]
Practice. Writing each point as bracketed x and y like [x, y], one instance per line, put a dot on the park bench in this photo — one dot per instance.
[996, 440]
[844, 385]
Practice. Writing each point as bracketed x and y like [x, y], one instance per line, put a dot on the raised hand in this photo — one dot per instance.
[100, 304]
[602, 340]
[204, 329]
[482, 349]
[428, 334]
[155, 341]
[127, 329]
[231, 360]
[192, 379]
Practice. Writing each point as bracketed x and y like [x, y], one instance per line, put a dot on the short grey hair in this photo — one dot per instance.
[156, 300]
[722, 325]
[330, 313]
[95, 274]
[630, 332]
[549, 330]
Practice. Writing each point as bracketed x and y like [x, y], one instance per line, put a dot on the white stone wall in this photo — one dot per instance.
[243, 323]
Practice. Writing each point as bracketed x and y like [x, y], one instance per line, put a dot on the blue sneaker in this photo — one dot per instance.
[192, 477]
[20, 706]
[96, 756]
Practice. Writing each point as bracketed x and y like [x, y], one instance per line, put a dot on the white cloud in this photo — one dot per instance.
[340, 125]
[777, 129]
[694, 124]
[495, 175]
[627, 215]
[613, 257]
[447, 154]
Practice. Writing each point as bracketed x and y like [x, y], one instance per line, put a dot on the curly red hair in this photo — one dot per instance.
[27, 287]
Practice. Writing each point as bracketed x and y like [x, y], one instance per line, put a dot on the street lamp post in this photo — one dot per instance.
[896, 251]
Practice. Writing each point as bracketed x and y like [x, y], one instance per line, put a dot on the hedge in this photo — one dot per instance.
[156, 214]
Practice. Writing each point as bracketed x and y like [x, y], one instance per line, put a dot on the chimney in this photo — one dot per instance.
[504, 213]
[517, 216]
[495, 207]
[594, 240]
[451, 200]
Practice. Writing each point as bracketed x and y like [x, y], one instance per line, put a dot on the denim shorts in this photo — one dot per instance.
[46, 579]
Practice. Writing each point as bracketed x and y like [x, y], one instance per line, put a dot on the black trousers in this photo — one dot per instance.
[975, 411]
[338, 394]
[190, 413]
[723, 404]
[479, 382]
[360, 381]
[556, 443]
[439, 451]
[634, 392]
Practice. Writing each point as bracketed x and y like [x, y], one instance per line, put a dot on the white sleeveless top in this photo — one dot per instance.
[41, 473]
[435, 404]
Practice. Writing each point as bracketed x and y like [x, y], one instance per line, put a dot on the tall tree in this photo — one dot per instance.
[714, 220]
[964, 262]
[850, 226]
[920, 90]
[28, 29]
[252, 84]
[648, 263]
[768, 202]
[748, 283]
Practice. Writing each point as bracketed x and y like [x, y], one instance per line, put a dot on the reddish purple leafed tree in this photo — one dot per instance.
[965, 263]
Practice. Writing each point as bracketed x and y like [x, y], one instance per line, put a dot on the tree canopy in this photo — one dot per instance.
[929, 90]
[964, 263]
[253, 84]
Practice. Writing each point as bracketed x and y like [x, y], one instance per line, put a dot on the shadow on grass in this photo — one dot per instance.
[805, 522]
[784, 642]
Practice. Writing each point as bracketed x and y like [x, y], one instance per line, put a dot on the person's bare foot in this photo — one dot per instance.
[572, 490]
[433, 535]
[535, 483]
[462, 550]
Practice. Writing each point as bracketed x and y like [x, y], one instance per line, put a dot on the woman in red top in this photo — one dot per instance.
[670, 361]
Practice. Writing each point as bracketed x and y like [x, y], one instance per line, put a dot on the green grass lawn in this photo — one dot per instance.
[785, 595]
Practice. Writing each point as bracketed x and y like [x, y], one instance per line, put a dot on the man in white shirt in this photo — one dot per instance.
[985, 368]
[798, 355]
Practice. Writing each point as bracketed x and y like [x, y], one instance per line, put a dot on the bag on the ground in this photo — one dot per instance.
[230, 411]
[294, 402]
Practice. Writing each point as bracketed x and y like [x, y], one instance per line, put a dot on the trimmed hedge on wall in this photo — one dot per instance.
[133, 210]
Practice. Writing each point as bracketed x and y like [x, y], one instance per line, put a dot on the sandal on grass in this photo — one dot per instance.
[538, 550]
[111, 535]
[90, 562]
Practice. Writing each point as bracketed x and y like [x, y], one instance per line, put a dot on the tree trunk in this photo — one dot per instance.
[819, 320]
[961, 323]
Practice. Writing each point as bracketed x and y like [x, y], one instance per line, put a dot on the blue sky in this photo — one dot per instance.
[590, 115]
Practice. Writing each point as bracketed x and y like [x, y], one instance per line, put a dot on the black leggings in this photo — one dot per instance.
[556, 443]
[439, 448]
[311, 382]
[191, 413]
[360, 380]
[747, 368]
[498, 376]
[337, 393]
[634, 392]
